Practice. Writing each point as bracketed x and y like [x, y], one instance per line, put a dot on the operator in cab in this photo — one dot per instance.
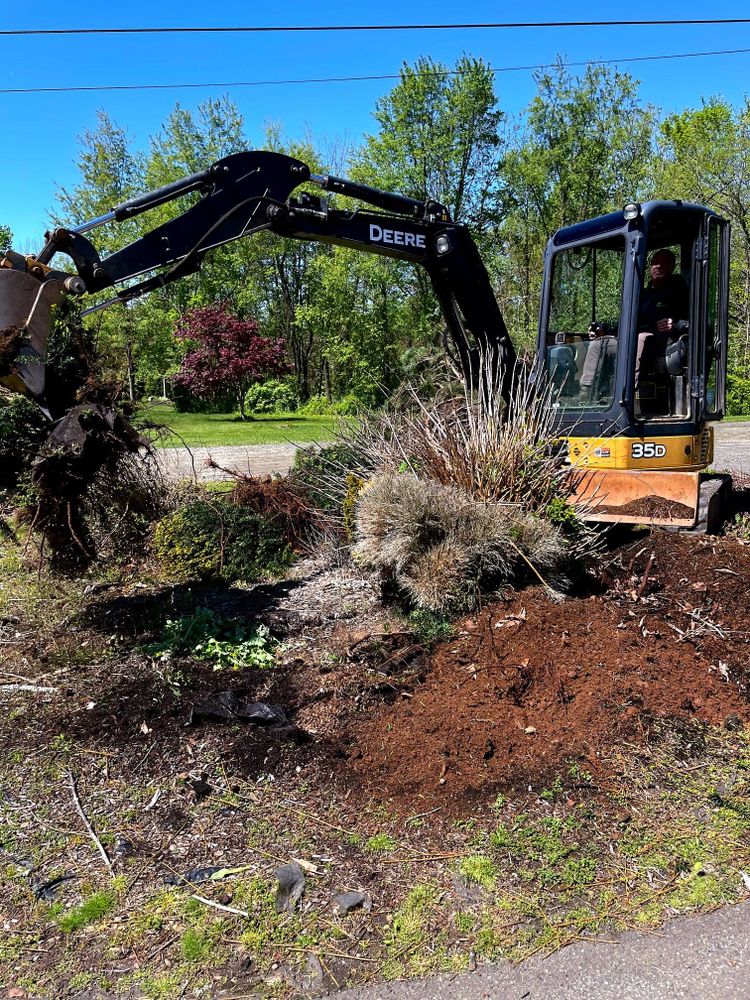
[662, 315]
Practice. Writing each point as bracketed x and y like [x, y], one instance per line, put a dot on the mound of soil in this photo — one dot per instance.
[531, 685]
[652, 506]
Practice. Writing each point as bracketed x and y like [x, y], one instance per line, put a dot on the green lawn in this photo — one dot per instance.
[199, 430]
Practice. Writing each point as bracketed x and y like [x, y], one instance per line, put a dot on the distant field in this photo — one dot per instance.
[205, 430]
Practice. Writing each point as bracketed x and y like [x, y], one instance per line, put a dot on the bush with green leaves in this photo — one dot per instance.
[324, 474]
[318, 406]
[272, 396]
[23, 427]
[216, 539]
[738, 395]
[224, 643]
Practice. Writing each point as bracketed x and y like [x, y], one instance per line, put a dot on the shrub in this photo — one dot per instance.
[444, 548]
[23, 427]
[318, 405]
[346, 406]
[315, 407]
[738, 395]
[282, 501]
[209, 539]
[461, 495]
[271, 396]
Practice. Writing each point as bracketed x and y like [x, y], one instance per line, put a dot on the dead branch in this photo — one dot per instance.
[87, 824]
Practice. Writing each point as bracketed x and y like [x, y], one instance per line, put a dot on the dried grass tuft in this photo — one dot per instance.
[464, 493]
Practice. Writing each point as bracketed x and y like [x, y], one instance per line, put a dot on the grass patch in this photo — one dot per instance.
[206, 430]
[91, 910]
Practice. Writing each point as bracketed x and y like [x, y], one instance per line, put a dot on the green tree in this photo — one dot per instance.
[705, 157]
[585, 150]
[6, 237]
[438, 137]
[110, 174]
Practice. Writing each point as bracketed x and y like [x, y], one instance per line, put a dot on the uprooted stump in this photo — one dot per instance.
[87, 470]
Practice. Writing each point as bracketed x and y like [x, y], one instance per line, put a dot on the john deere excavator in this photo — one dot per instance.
[634, 402]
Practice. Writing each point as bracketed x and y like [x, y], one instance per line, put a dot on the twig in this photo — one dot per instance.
[27, 687]
[420, 815]
[154, 800]
[326, 951]
[89, 827]
[220, 906]
[644, 578]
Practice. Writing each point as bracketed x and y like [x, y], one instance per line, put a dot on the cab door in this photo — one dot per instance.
[709, 382]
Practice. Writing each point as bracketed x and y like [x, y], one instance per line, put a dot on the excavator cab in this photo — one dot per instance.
[633, 338]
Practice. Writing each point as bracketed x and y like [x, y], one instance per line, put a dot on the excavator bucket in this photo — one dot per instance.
[25, 323]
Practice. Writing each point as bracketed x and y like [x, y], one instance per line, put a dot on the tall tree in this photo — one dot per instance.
[585, 150]
[705, 157]
[110, 174]
[438, 137]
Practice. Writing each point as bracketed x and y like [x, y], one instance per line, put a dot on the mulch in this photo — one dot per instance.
[531, 686]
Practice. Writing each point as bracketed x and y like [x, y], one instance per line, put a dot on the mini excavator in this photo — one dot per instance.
[634, 400]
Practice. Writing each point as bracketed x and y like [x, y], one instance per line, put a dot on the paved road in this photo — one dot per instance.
[692, 958]
[257, 459]
[732, 452]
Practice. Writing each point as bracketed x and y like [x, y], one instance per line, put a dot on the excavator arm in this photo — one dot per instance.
[240, 195]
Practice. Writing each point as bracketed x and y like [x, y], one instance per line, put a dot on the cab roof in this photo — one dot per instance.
[615, 221]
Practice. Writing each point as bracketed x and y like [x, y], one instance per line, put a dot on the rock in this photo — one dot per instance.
[123, 847]
[733, 722]
[291, 887]
[199, 787]
[345, 902]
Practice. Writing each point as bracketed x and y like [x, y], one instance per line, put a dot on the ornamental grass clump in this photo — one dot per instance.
[444, 549]
[464, 494]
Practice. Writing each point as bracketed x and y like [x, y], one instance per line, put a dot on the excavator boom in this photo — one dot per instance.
[246, 193]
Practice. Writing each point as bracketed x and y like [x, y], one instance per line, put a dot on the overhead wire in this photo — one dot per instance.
[99, 88]
[288, 28]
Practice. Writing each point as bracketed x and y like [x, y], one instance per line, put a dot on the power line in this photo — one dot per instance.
[265, 29]
[356, 79]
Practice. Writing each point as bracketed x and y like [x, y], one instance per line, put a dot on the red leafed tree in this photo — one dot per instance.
[228, 356]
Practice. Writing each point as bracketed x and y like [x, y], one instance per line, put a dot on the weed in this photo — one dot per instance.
[408, 929]
[163, 987]
[430, 628]
[579, 775]
[556, 791]
[221, 642]
[740, 527]
[196, 944]
[80, 980]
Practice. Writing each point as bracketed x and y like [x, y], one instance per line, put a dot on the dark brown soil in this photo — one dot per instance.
[652, 506]
[531, 685]
[10, 341]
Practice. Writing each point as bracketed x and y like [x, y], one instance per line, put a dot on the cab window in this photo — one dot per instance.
[584, 316]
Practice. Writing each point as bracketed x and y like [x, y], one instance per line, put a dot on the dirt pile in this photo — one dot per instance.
[531, 688]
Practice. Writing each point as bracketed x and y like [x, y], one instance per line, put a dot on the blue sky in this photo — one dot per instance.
[40, 130]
